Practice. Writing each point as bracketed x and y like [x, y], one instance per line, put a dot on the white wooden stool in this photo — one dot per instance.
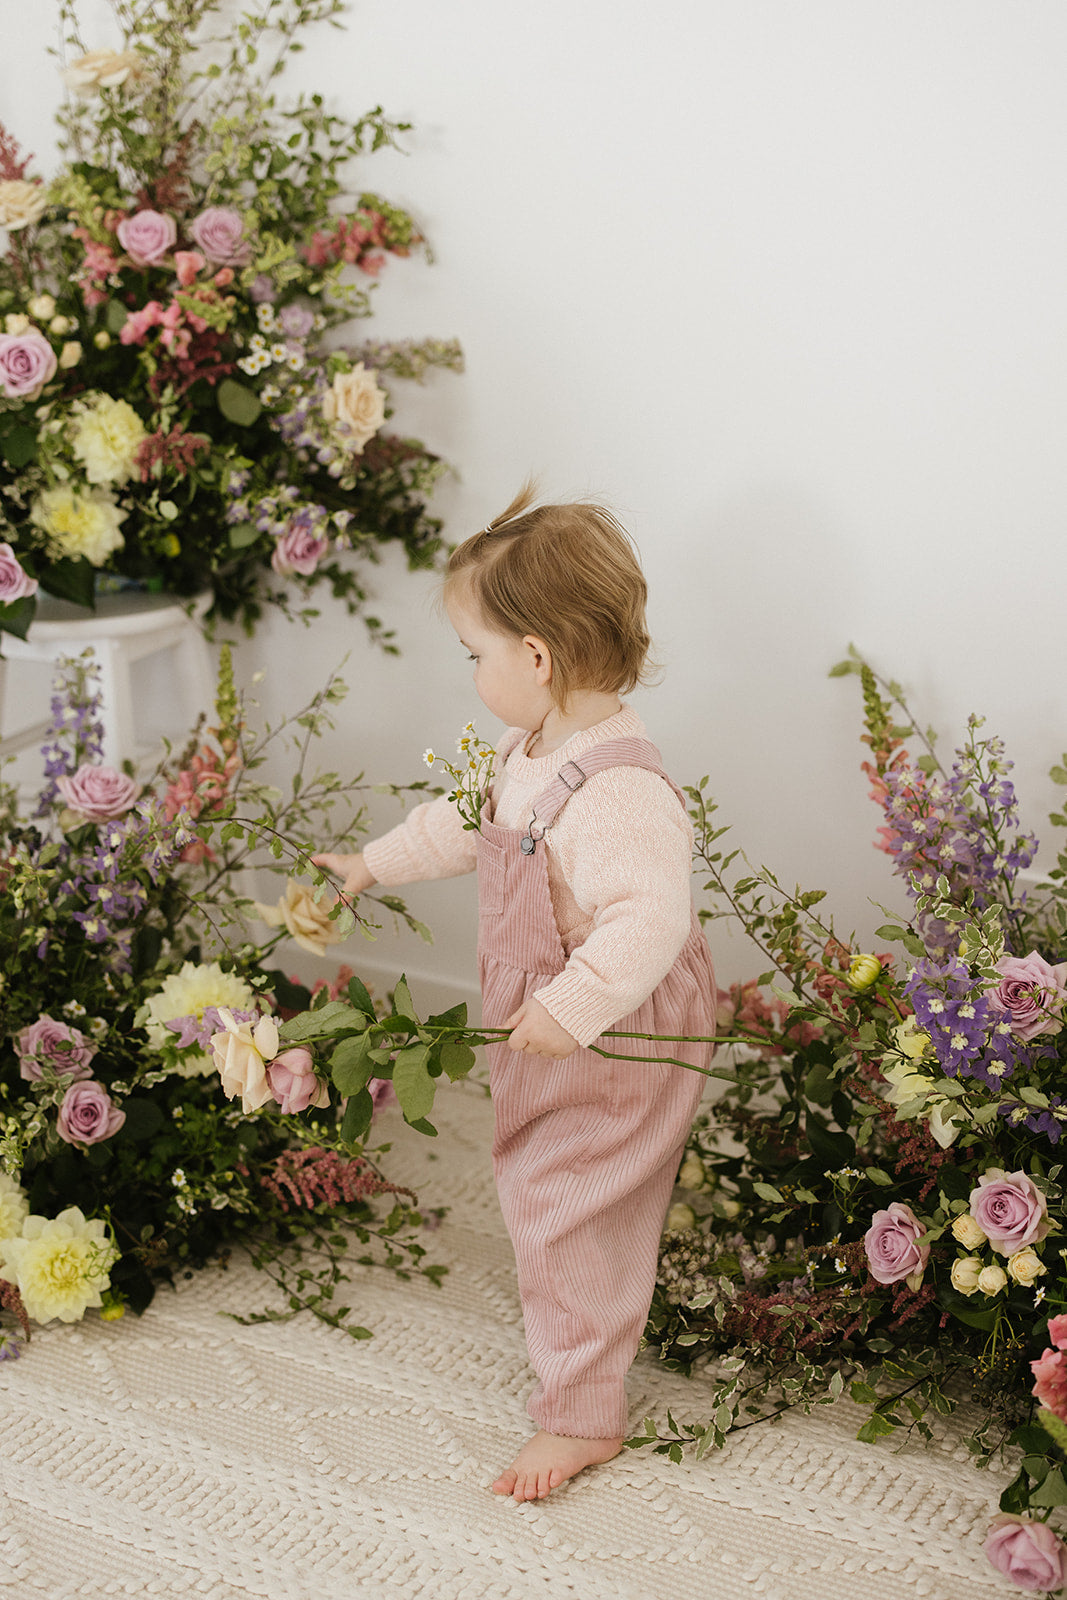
[124, 629]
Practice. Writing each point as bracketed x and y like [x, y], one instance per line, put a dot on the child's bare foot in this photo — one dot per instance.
[549, 1459]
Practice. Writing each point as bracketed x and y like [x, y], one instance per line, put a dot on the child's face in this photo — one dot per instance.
[511, 675]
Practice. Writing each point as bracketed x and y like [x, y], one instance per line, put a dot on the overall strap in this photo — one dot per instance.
[571, 776]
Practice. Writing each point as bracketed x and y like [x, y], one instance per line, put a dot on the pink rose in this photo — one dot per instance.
[297, 321]
[147, 236]
[298, 550]
[14, 583]
[27, 363]
[98, 793]
[1028, 1553]
[219, 231]
[892, 1253]
[47, 1041]
[187, 263]
[1050, 1382]
[88, 1115]
[293, 1082]
[1030, 994]
[1057, 1331]
[1010, 1209]
[382, 1093]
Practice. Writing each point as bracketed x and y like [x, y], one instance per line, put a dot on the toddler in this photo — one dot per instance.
[585, 924]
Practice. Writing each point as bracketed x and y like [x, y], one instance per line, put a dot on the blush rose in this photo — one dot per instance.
[88, 1114]
[1028, 1553]
[219, 232]
[293, 1083]
[63, 1048]
[27, 363]
[15, 584]
[298, 550]
[890, 1242]
[99, 794]
[1030, 994]
[1010, 1209]
[147, 236]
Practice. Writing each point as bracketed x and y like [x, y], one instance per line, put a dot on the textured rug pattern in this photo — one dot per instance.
[185, 1455]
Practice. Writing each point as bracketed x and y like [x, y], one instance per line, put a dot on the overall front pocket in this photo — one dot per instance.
[492, 866]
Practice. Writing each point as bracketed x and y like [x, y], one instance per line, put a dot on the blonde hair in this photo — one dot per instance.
[569, 575]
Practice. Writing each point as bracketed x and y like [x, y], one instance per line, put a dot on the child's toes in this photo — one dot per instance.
[506, 1482]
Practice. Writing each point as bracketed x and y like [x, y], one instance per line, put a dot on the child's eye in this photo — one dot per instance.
[472, 658]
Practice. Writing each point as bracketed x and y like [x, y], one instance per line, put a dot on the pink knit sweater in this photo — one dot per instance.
[618, 870]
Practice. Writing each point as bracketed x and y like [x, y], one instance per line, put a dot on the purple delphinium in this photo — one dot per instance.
[76, 734]
[953, 1012]
[10, 1348]
[193, 1030]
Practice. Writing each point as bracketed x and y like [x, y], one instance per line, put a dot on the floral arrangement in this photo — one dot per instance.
[174, 408]
[875, 1204]
[128, 972]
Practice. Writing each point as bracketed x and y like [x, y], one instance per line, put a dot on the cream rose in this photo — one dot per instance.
[680, 1218]
[355, 406]
[241, 1054]
[103, 69]
[21, 203]
[967, 1232]
[991, 1280]
[966, 1271]
[305, 919]
[1026, 1266]
[79, 524]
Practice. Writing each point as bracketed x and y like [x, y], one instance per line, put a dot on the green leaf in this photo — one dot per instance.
[862, 1393]
[357, 1117]
[1016, 1496]
[115, 316]
[351, 1065]
[1051, 1424]
[412, 1082]
[237, 403]
[19, 446]
[289, 995]
[454, 1017]
[72, 580]
[402, 1001]
[242, 534]
[16, 616]
[876, 1427]
[457, 1058]
[334, 1017]
[831, 1150]
[1057, 774]
[767, 1191]
[144, 1118]
[1053, 1492]
[360, 997]
[421, 1125]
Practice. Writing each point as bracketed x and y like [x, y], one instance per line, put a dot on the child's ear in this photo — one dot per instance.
[540, 658]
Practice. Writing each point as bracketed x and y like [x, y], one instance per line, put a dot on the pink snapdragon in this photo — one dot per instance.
[187, 264]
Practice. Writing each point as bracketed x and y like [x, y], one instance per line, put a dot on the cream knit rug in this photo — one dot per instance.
[185, 1455]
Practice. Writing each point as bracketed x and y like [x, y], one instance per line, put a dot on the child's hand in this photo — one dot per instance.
[353, 870]
[538, 1033]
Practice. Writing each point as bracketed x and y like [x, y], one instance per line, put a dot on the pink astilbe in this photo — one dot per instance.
[203, 784]
[175, 451]
[746, 1007]
[314, 1177]
[11, 168]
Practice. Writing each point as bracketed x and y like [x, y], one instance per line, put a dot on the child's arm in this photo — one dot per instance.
[353, 870]
[430, 843]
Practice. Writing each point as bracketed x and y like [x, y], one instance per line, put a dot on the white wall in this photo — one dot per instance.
[782, 280]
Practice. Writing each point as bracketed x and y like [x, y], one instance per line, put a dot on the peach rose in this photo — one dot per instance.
[356, 406]
[21, 203]
[306, 919]
[241, 1054]
[103, 69]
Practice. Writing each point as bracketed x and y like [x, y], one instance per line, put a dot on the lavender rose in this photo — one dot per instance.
[1028, 1553]
[1031, 994]
[892, 1253]
[1010, 1209]
[293, 1083]
[27, 363]
[47, 1041]
[298, 550]
[147, 236]
[88, 1114]
[15, 584]
[219, 233]
[297, 321]
[98, 793]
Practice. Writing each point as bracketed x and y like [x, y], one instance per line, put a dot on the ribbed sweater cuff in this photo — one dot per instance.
[579, 1006]
[390, 860]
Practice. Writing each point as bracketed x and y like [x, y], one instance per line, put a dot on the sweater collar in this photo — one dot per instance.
[623, 724]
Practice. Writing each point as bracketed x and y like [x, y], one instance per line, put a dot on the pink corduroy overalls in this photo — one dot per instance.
[585, 1150]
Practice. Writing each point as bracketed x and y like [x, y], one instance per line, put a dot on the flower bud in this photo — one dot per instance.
[42, 306]
[966, 1271]
[911, 1041]
[1025, 1266]
[171, 545]
[863, 972]
[968, 1232]
[60, 326]
[691, 1173]
[16, 322]
[70, 354]
[102, 339]
[991, 1280]
[680, 1217]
